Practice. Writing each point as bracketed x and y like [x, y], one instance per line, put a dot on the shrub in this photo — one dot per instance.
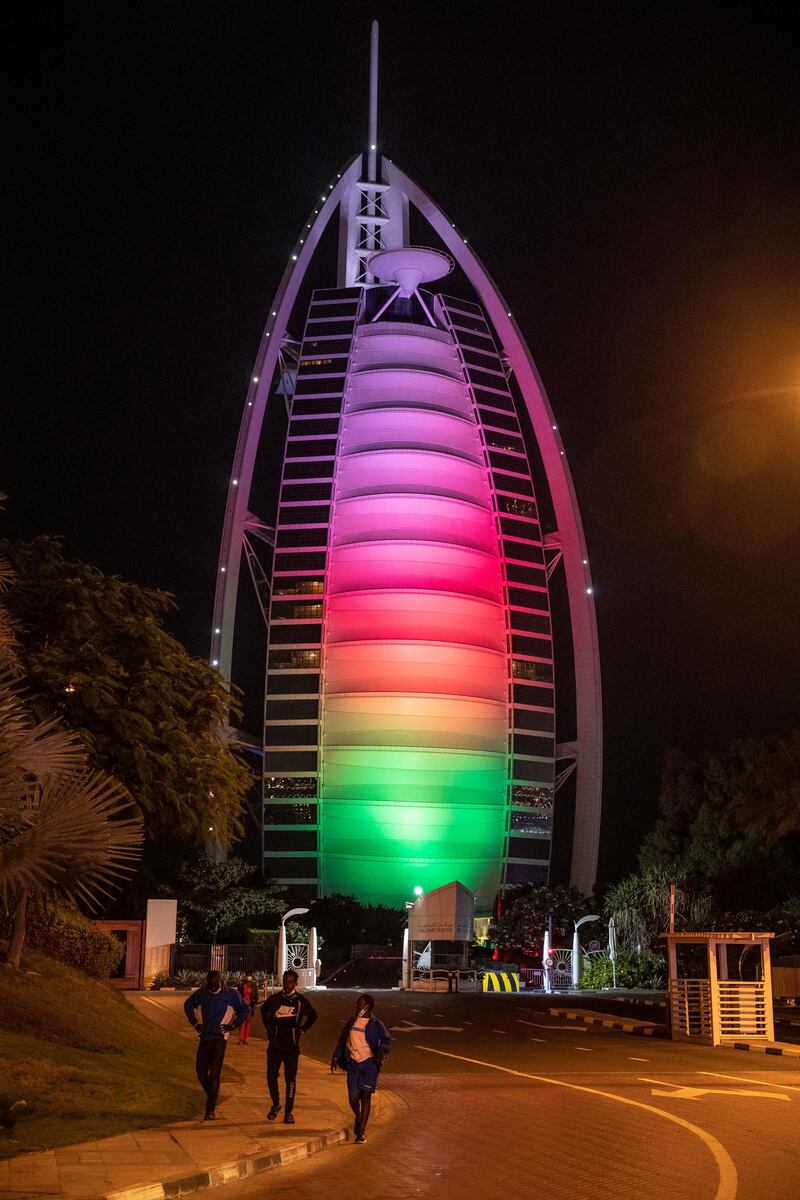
[69, 937]
[632, 971]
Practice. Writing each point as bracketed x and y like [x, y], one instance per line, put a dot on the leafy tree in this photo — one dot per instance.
[218, 902]
[95, 651]
[343, 921]
[760, 782]
[640, 906]
[522, 922]
[66, 831]
[732, 821]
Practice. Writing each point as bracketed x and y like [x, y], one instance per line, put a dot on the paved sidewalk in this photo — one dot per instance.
[151, 1164]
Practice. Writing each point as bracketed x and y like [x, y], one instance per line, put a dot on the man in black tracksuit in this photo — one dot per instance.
[286, 1016]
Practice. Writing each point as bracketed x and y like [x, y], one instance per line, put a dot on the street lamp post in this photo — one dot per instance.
[282, 963]
[576, 949]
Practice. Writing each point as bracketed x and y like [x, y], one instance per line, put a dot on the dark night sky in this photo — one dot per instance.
[629, 174]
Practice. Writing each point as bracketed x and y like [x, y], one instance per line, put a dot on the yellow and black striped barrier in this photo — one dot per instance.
[501, 981]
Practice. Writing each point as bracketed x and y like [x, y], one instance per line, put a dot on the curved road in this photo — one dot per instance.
[501, 1096]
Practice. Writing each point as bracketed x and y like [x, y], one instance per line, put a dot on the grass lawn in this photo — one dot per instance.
[88, 1064]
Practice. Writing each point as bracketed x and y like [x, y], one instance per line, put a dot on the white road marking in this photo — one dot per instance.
[585, 1049]
[695, 1093]
[410, 1027]
[744, 1079]
[499, 1031]
[633, 1058]
[536, 1040]
[466, 1022]
[557, 1028]
[728, 1178]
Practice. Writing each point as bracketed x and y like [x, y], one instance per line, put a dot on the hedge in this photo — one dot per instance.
[645, 970]
[69, 937]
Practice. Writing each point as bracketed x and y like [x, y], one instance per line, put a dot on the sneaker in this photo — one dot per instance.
[273, 1112]
[288, 1119]
[362, 1137]
[210, 1116]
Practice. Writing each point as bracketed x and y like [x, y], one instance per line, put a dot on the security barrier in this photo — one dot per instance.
[500, 981]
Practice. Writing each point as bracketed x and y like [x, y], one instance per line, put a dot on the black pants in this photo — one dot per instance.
[208, 1064]
[288, 1056]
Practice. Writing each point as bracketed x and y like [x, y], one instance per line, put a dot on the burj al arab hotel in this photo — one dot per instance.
[425, 533]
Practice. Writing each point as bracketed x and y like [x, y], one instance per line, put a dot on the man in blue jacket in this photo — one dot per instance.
[221, 1010]
[363, 1045]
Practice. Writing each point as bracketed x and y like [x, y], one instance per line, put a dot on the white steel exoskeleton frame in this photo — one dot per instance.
[375, 215]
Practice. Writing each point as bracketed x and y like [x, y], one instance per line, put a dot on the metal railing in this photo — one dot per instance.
[230, 960]
[443, 979]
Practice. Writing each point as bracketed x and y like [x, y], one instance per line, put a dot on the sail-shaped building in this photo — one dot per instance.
[412, 733]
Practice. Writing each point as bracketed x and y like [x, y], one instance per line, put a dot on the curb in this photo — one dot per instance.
[619, 1026]
[249, 1165]
[759, 1048]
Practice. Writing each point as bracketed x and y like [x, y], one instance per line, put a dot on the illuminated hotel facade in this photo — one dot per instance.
[411, 719]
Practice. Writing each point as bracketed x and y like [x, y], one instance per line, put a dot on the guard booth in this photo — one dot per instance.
[720, 988]
[438, 938]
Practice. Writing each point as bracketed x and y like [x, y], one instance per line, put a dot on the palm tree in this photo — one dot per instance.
[66, 832]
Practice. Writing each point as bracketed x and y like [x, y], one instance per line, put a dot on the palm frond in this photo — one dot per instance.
[74, 837]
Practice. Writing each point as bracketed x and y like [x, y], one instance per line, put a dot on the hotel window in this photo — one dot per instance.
[282, 787]
[291, 814]
[281, 660]
[532, 796]
[542, 747]
[290, 585]
[528, 621]
[290, 839]
[290, 760]
[319, 469]
[315, 535]
[300, 561]
[290, 868]
[528, 848]
[499, 420]
[537, 696]
[524, 669]
[294, 685]
[531, 821]
[527, 718]
[525, 645]
[517, 506]
[292, 710]
[305, 514]
[508, 483]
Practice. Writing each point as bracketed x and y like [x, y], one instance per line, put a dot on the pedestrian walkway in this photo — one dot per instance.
[151, 1164]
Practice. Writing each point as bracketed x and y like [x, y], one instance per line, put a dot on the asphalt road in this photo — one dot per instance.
[501, 1096]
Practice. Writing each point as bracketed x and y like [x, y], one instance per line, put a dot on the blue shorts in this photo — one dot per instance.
[362, 1076]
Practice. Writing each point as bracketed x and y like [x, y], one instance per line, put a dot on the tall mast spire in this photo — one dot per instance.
[372, 153]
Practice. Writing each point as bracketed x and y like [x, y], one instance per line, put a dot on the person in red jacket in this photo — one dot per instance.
[248, 990]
